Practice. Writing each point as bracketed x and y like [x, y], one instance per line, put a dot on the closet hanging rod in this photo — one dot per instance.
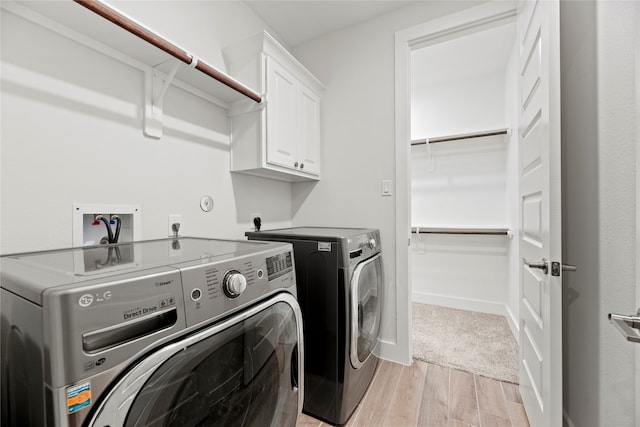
[459, 137]
[107, 12]
[475, 231]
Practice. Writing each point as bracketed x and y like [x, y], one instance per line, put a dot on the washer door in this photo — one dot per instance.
[366, 293]
[241, 372]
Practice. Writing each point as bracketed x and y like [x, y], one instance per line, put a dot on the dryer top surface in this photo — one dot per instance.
[314, 233]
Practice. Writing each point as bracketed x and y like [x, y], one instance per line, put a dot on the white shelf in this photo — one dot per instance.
[74, 21]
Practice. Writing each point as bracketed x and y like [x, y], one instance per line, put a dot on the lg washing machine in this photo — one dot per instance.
[172, 332]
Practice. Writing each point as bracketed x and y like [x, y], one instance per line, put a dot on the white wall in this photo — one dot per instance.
[71, 132]
[464, 184]
[599, 44]
[460, 271]
[357, 67]
[460, 106]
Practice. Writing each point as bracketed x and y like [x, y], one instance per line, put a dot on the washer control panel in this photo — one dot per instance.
[214, 289]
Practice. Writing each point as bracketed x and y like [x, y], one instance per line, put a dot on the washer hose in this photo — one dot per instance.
[106, 223]
[118, 221]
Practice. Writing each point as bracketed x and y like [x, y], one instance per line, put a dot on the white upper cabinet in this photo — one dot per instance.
[310, 131]
[279, 138]
[282, 141]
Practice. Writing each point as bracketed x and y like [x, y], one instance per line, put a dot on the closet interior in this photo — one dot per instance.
[464, 160]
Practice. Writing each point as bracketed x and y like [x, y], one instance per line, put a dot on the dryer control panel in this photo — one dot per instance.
[362, 246]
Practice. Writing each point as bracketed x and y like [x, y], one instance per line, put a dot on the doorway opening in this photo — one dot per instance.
[463, 162]
[451, 82]
[539, 235]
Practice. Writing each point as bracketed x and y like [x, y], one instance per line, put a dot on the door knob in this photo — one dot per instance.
[543, 265]
[628, 326]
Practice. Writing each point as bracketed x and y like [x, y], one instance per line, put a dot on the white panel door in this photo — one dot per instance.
[540, 238]
[309, 131]
[282, 135]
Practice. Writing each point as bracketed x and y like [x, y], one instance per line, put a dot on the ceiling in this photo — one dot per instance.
[476, 54]
[297, 21]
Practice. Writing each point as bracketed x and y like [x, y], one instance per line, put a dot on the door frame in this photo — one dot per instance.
[468, 21]
[637, 205]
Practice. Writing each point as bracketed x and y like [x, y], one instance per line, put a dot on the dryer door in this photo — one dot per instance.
[241, 372]
[366, 299]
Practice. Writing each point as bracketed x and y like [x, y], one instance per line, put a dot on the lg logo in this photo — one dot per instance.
[87, 299]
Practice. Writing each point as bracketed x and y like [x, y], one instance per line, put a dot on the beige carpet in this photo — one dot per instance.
[475, 342]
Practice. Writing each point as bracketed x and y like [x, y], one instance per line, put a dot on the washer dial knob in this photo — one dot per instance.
[234, 283]
[372, 243]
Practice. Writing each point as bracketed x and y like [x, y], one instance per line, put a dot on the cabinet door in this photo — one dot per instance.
[309, 131]
[282, 134]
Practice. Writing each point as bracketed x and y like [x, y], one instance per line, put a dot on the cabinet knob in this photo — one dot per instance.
[301, 165]
[295, 164]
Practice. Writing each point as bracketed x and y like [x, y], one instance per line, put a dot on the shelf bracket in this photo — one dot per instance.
[156, 85]
[244, 106]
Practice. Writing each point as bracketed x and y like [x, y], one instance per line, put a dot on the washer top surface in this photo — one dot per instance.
[40, 270]
[133, 256]
[314, 233]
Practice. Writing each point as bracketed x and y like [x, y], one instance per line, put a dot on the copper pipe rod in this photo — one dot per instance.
[212, 72]
[162, 44]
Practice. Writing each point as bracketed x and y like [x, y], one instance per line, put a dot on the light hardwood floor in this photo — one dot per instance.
[430, 395]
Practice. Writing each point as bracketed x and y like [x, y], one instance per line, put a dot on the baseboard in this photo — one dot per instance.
[460, 303]
[390, 351]
[513, 324]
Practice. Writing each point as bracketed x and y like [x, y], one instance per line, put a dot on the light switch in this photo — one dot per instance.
[386, 187]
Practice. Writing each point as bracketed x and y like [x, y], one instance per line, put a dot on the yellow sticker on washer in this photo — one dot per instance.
[78, 397]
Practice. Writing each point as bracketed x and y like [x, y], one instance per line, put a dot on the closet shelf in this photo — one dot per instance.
[456, 230]
[156, 40]
[483, 134]
[99, 25]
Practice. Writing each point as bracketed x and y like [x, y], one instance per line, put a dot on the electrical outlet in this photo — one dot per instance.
[174, 219]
